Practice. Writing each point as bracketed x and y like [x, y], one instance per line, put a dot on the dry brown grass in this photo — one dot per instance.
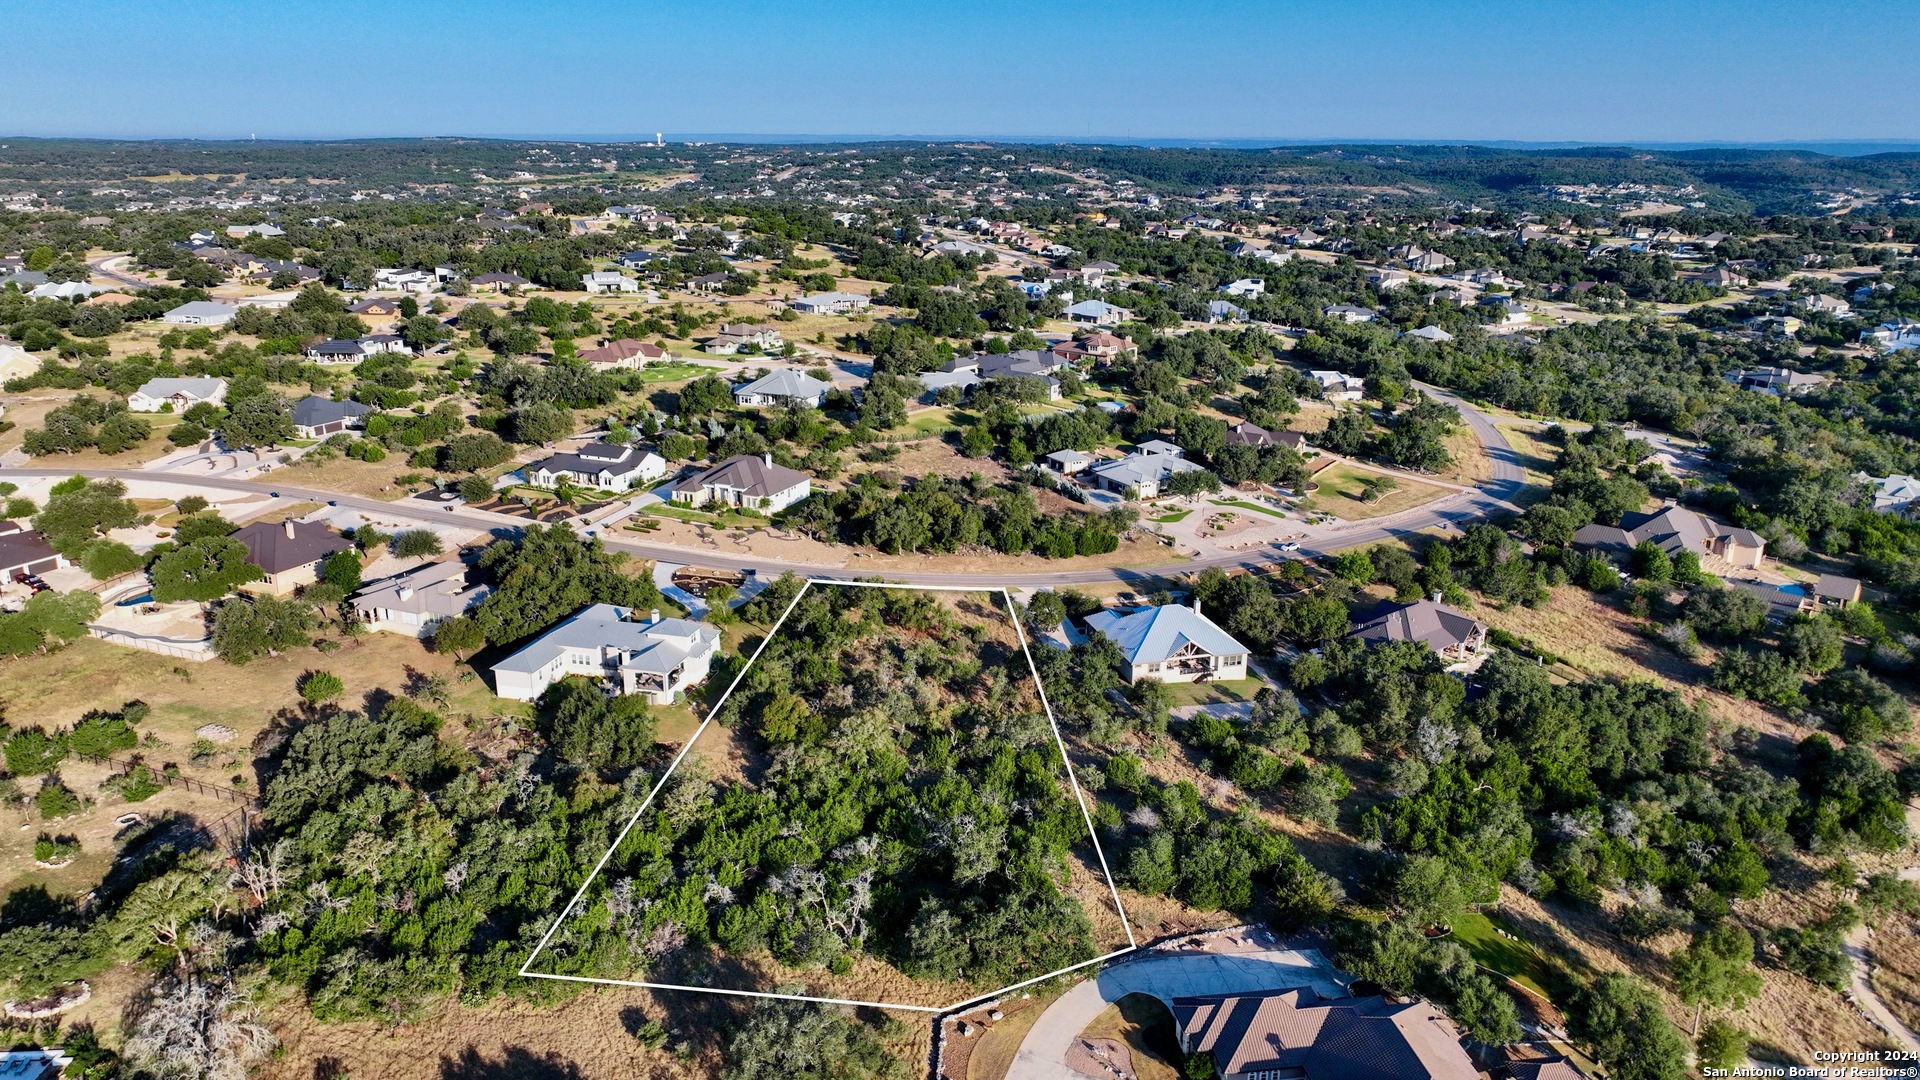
[988, 1056]
[1598, 639]
[1145, 1026]
[1895, 948]
[1341, 494]
[1792, 1018]
[1470, 464]
[586, 1036]
[29, 410]
[1537, 455]
[56, 690]
[371, 479]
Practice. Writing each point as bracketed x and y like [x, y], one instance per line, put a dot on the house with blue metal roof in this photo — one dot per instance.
[1172, 644]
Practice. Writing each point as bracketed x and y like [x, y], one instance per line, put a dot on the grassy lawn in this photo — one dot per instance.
[701, 517]
[938, 420]
[1243, 504]
[1515, 959]
[1341, 494]
[675, 371]
[1177, 515]
[1216, 692]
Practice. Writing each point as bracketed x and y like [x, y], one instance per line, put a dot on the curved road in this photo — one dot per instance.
[1491, 498]
[99, 268]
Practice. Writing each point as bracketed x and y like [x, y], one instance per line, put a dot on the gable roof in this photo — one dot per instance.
[1432, 624]
[200, 388]
[595, 458]
[1096, 309]
[1153, 634]
[1020, 363]
[1673, 529]
[623, 349]
[201, 309]
[1136, 470]
[750, 475]
[1295, 1033]
[658, 646]
[785, 383]
[314, 410]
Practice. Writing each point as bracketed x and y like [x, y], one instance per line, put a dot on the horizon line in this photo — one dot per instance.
[1860, 144]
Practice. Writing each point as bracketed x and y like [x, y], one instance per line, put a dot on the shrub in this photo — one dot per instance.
[33, 752]
[321, 686]
[137, 784]
[100, 735]
[416, 542]
[56, 800]
[55, 849]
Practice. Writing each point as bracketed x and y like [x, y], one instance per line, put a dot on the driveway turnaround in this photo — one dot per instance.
[1164, 975]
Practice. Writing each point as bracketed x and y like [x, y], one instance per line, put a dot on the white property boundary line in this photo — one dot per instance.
[1065, 761]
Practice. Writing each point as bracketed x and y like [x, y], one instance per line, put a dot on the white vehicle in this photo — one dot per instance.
[1291, 545]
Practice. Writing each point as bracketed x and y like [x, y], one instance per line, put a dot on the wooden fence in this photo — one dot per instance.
[218, 791]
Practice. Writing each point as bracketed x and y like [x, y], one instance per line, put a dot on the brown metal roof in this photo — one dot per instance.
[1295, 1032]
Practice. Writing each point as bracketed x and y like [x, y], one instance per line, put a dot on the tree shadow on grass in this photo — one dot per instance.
[514, 1063]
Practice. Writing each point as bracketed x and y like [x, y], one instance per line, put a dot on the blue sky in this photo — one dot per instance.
[1580, 70]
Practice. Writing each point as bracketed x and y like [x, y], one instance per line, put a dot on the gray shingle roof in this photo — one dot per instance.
[315, 410]
[753, 476]
[1435, 625]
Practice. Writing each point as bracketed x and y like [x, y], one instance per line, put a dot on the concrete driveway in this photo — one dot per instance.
[1166, 976]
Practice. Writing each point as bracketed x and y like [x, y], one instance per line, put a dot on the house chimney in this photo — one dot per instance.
[768, 459]
[1436, 597]
[653, 616]
[288, 525]
[1196, 603]
[406, 592]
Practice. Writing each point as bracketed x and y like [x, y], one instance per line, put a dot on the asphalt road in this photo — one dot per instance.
[1459, 509]
[99, 268]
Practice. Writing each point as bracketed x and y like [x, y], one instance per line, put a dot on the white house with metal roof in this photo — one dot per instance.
[608, 281]
[831, 303]
[1098, 311]
[201, 313]
[1145, 471]
[158, 395]
[1171, 643]
[784, 386]
[636, 655]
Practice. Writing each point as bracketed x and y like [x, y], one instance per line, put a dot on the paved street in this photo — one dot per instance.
[1457, 509]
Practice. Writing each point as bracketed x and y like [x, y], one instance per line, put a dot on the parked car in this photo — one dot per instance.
[1291, 545]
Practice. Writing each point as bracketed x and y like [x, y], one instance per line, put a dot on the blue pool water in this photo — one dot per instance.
[1795, 590]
